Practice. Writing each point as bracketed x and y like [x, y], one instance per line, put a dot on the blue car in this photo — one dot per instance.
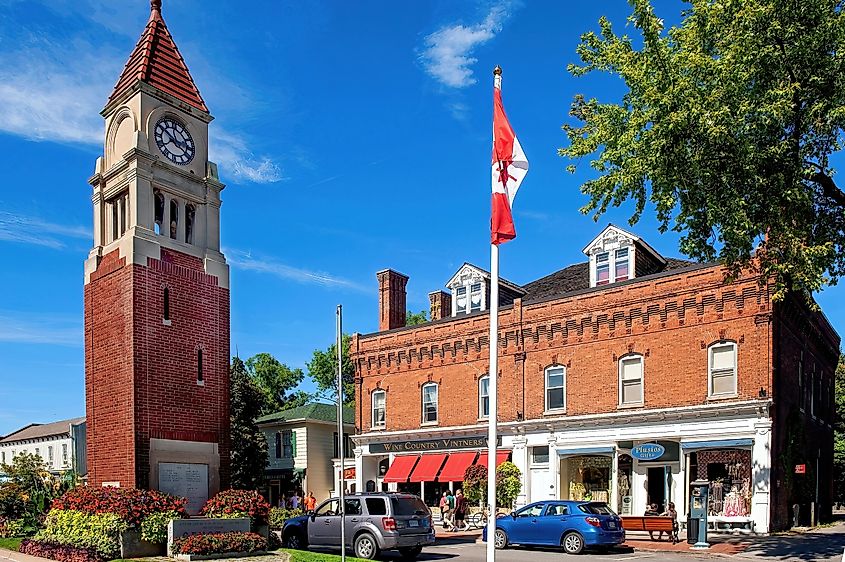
[572, 525]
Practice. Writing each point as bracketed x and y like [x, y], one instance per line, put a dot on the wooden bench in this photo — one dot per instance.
[650, 524]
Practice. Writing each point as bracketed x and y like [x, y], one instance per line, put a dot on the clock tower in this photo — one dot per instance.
[157, 285]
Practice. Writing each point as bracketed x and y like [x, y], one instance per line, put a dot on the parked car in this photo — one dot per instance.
[374, 522]
[572, 525]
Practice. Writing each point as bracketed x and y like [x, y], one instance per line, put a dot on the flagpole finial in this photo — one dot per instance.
[497, 71]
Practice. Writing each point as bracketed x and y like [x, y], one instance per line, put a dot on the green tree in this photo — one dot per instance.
[277, 382]
[414, 319]
[508, 484]
[323, 369]
[249, 445]
[727, 125]
[839, 432]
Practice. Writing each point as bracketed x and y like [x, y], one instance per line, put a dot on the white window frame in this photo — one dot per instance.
[531, 455]
[436, 387]
[64, 454]
[287, 445]
[622, 361]
[383, 409]
[465, 284]
[710, 371]
[617, 261]
[546, 387]
[607, 262]
[482, 396]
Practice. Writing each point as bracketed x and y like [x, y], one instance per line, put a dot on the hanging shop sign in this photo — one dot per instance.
[800, 469]
[349, 473]
[648, 451]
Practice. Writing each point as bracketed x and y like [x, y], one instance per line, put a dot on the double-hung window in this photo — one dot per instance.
[620, 266]
[429, 403]
[287, 444]
[461, 300]
[379, 410]
[603, 268]
[555, 388]
[475, 297]
[631, 380]
[722, 365]
[484, 397]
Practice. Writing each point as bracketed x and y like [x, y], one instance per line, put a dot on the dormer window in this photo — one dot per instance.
[460, 300]
[469, 290]
[621, 265]
[475, 299]
[616, 255]
[603, 268]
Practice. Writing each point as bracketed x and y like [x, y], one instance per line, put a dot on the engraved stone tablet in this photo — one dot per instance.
[185, 480]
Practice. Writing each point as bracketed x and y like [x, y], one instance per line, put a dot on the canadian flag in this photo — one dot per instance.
[509, 168]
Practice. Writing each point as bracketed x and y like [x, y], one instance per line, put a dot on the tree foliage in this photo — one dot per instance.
[726, 127]
[508, 484]
[839, 432]
[416, 318]
[249, 446]
[323, 369]
[277, 382]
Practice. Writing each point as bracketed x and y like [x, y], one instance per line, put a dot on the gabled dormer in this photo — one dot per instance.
[617, 255]
[470, 290]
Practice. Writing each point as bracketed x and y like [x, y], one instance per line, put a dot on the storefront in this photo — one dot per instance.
[585, 474]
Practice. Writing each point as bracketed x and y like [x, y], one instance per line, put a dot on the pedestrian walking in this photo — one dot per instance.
[460, 511]
[310, 502]
[444, 509]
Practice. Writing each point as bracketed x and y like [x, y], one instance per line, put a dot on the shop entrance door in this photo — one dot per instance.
[657, 487]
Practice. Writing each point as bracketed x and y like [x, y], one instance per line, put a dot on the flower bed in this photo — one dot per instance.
[278, 516]
[100, 532]
[130, 504]
[231, 504]
[61, 552]
[219, 543]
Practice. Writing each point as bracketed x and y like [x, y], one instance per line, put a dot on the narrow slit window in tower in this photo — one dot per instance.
[166, 303]
[199, 367]
[174, 217]
[190, 213]
[159, 211]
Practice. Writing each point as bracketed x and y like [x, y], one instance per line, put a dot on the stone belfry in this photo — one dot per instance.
[157, 285]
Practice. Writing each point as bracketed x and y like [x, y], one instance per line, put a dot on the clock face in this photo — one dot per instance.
[174, 141]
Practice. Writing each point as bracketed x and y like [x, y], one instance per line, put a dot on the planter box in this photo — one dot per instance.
[192, 557]
[263, 530]
[131, 546]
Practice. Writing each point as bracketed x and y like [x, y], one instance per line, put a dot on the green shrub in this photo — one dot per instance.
[74, 528]
[278, 516]
[12, 528]
[154, 527]
[219, 543]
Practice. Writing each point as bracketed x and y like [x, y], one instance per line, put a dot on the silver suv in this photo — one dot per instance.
[374, 522]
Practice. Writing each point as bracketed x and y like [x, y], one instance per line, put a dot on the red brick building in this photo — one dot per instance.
[621, 379]
[157, 286]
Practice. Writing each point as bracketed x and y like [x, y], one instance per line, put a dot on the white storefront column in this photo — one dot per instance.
[520, 459]
[761, 475]
[554, 469]
[359, 469]
[639, 488]
[613, 500]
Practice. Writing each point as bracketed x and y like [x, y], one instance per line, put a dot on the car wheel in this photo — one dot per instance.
[294, 541]
[410, 553]
[572, 543]
[500, 539]
[366, 546]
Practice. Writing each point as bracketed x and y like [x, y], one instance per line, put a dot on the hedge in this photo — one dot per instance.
[219, 543]
[99, 532]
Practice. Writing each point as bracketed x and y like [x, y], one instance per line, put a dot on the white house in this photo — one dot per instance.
[61, 444]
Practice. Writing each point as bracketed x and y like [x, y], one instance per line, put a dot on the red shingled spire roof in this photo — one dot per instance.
[157, 62]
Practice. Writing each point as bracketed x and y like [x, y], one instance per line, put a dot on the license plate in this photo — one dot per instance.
[611, 524]
[413, 523]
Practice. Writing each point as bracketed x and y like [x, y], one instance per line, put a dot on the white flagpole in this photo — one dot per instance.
[340, 439]
[492, 437]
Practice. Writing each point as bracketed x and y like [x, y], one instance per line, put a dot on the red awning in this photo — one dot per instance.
[428, 467]
[456, 465]
[401, 468]
[501, 456]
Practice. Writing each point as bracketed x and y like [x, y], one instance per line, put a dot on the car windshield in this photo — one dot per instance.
[408, 506]
[596, 508]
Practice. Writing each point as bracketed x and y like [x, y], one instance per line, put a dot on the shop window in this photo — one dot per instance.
[729, 473]
[540, 455]
[484, 397]
[587, 478]
[190, 215]
[429, 403]
[379, 400]
[625, 505]
[158, 210]
[555, 388]
[722, 365]
[631, 380]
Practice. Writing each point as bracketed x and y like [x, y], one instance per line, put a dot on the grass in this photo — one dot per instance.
[10, 544]
[305, 556]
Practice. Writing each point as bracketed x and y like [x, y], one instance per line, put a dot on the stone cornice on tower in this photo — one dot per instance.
[156, 61]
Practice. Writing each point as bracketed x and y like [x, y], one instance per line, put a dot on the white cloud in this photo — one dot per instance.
[447, 55]
[26, 327]
[31, 230]
[231, 152]
[248, 262]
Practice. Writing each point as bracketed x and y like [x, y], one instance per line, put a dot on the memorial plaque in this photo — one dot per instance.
[186, 480]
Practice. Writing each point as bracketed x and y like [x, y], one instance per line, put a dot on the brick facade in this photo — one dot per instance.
[141, 374]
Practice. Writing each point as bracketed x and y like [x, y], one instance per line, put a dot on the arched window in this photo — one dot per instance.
[190, 214]
[174, 218]
[158, 202]
[631, 380]
[200, 378]
[556, 388]
[379, 399]
[484, 396]
[166, 304]
[429, 403]
[721, 365]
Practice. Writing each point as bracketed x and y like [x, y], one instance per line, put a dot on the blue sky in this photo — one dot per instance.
[353, 136]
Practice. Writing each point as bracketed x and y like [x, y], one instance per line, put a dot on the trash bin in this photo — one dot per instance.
[692, 530]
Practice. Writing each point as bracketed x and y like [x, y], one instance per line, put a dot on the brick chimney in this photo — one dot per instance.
[441, 304]
[391, 299]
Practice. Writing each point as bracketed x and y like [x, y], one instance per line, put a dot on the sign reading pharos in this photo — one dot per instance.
[432, 445]
[648, 451]
[349, 473]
